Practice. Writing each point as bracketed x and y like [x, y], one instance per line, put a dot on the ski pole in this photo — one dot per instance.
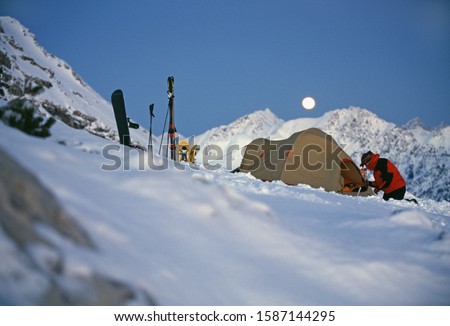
[150, 136]
[164, 130]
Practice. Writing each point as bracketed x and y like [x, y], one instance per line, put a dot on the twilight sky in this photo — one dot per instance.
[232, 57]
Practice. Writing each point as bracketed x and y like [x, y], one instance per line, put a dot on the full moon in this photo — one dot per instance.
[308, 103]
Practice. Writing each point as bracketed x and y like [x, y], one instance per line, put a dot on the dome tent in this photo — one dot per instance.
[309, 157]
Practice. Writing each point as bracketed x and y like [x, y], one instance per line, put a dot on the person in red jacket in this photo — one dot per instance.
[387, 177]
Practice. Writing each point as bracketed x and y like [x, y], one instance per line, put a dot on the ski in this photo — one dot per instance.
[172, 133]
[150, 136]
[118, 104]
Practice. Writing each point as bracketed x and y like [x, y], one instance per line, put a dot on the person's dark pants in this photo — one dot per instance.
[398, 194]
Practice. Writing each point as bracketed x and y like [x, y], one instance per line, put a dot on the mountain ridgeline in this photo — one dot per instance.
[29, 72]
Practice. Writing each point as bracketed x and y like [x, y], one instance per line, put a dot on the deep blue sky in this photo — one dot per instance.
[231, 57]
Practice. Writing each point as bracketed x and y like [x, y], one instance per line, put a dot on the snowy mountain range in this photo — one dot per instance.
[77, 230]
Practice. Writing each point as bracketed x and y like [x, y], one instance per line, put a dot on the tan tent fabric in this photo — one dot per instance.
[309, 157]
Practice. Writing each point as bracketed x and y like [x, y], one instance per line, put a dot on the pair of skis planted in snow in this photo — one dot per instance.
[124, 123]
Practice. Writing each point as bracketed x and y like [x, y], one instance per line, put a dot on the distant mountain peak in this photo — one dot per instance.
[265, 113]
[260, 119]
[416, 123]
[260, 123]
[353, 113]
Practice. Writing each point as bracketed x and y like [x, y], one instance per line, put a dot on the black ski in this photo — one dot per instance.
[150, 136]
[172, 129]
[118, 104]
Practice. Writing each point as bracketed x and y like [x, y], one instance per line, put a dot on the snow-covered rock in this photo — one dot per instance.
[29, 71]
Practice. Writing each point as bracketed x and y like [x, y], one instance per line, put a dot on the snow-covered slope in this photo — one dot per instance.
[421, 153]
[199, 237]
[177, 235]
[26, 65]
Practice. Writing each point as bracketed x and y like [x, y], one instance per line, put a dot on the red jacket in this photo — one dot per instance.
[387, 177]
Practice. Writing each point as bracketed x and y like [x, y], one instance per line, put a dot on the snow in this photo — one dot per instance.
[200, 237]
